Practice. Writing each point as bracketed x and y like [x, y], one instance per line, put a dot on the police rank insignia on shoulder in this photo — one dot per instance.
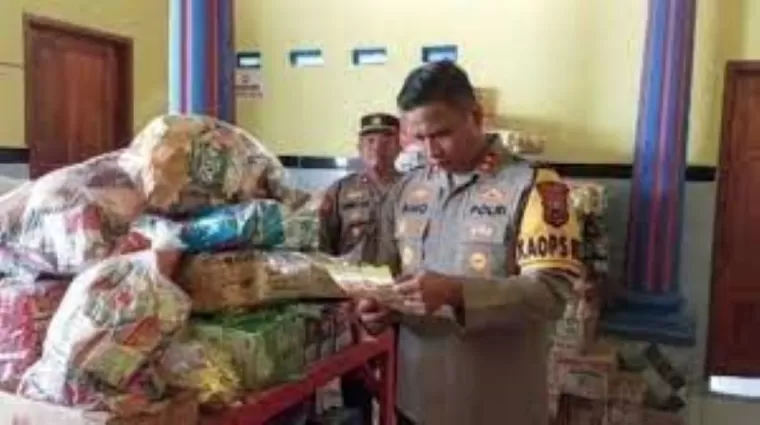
[554, 196]
[493, 195]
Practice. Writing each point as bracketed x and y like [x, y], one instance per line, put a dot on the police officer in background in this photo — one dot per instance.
[486, 248]
[349, 217]
[351, 206]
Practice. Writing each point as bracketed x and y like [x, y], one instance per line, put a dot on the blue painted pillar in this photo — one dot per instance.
[202, 58]
[651, 307]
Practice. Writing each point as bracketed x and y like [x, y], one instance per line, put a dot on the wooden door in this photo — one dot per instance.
[734, 339]
[78, 93]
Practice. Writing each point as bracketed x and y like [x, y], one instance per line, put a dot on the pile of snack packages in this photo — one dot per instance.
[170, 274]
[588, 382]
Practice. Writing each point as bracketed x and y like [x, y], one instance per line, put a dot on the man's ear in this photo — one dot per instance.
[477, 114]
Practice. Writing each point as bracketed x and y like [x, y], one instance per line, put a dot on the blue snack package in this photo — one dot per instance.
[259, 224]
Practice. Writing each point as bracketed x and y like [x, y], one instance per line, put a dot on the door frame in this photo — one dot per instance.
[124, 45]
[733, 69]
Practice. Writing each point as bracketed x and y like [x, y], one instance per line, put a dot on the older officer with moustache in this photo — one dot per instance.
[350, 212]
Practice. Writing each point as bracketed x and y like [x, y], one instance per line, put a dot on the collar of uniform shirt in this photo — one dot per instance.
[381, 182]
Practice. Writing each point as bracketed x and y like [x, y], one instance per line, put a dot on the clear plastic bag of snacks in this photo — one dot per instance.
[242, 279]
[69, 219]
[263, 224]
[112, 323]
[192, 162]
[26, 307]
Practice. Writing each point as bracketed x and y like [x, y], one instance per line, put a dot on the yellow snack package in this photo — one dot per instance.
[200, 366]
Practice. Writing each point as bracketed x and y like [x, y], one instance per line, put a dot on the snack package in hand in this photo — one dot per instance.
[375, 282]
[70, 218]
[26, 308]
[112, 322]
[200, 366]
[243, 279]
[192, 162]
[264, 224]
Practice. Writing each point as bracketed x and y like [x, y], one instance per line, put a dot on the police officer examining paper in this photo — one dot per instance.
[486, 249]
[349, 217]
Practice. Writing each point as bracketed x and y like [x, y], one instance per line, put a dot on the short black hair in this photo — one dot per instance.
[440, 81]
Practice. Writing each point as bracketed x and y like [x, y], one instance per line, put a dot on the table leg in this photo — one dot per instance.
[386, 399]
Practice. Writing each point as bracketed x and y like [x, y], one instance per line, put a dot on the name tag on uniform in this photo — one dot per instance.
[353, 195]
[481, 232]
[419, 209]
[486, 210]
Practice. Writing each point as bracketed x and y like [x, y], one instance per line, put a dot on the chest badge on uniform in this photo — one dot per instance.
[481, 231]
[478, 261]
[407, 256]
[401, 230]
[353, 195]
[554, 202]
[493, 195]
[420, 194]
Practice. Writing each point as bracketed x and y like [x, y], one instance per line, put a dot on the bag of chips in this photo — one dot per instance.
[112, 322]
[26, 308]
[70, 218]
[192, 162]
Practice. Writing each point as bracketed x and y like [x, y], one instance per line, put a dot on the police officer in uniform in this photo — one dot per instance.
[351, 206]
[486, 249]
[350, 212]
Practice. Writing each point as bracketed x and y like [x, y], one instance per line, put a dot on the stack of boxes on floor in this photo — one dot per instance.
[601, 381]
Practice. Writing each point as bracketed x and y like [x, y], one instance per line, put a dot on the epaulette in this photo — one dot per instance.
[537, 164]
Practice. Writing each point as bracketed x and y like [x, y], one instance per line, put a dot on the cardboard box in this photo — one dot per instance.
[590, 375]
[625, 414]
[16, 410]
[657, 417]
[630, 388]
[580, 411]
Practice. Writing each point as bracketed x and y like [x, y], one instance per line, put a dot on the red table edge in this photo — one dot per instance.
[265, 405]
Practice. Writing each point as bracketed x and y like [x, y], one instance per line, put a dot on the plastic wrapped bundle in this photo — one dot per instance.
[242, 279]
[263, 224]
[192, 162]
[199, 366]
[69, 219]
[111, 323]
[51, 381]
[588, 198]
[267, 348]
[26, 308]
[523, 143]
